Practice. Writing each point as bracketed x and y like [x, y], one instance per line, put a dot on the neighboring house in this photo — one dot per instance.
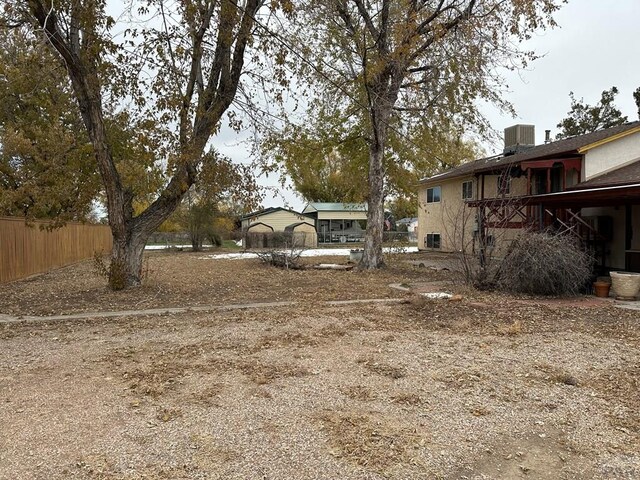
[280, 219]
[411, 224]
[588, 185]
[338, 222]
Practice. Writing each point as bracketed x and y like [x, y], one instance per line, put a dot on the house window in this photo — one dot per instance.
[504, 183]
[467, 190]
[433, 240]
[433, 195]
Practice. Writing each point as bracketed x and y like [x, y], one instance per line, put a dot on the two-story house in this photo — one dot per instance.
[588, 185]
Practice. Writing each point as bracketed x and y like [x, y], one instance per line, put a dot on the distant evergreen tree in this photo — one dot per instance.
[583, 118]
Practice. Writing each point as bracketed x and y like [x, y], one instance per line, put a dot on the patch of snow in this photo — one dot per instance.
[436, 295]
[315, 252]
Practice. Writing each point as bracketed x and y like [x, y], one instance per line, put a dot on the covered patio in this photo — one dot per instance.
[605, 218]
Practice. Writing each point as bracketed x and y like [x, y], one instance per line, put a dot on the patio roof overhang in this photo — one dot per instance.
[589, 197]
[578, 198]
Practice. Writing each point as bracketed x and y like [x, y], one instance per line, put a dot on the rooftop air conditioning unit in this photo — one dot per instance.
[518, 138]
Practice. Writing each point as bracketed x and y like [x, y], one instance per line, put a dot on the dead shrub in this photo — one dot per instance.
[287, 258]
[544, 264]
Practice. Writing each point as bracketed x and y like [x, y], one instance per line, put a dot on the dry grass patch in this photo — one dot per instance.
[460, 378]
[209, 396]
[382, 368]
[407, 398]
[514, 328]
[153, 382]
[264, 373]
[99, 467]
[166, 414]
[261, 392]
[621, 386]
[332, 331]
[359, 392]
[285, 339]
[553, 374]
[209, 456]
[480, 411]
[165, 373]
[370, 441]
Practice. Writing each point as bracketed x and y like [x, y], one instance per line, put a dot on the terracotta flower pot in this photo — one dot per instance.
[601, 289]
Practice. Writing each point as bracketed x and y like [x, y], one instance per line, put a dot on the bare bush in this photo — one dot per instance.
[544, 263]
[474, 248]
[288, 258]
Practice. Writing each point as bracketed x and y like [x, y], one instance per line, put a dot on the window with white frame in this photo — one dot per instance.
[432, 240]
[433, 195]
[467, 190]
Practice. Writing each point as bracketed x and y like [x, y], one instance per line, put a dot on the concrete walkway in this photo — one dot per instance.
[635, 305]
[7, 319]
[172, 310]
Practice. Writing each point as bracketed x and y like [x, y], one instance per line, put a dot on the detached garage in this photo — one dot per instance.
[276, 226]
[304, 234]
[259, 227]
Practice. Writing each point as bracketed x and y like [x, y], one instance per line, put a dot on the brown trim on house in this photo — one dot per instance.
[588, 197]
[568, 163]
[572, 146]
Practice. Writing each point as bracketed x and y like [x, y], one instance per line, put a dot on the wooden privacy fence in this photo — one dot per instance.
[29, 249]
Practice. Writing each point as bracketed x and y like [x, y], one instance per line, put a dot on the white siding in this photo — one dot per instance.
[343, 215]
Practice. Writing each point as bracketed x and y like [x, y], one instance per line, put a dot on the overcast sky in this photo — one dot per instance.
[595, 47]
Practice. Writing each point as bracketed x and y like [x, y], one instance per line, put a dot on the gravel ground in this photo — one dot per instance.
[486, 387]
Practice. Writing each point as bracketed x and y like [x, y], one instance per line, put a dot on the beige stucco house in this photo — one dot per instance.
[588, 185]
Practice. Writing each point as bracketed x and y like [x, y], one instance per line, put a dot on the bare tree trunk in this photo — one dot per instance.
[126, 261]
[372, 256]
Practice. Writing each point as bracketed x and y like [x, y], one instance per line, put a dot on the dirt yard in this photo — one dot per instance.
[488, 386]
